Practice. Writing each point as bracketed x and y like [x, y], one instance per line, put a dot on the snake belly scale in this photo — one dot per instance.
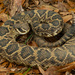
[29, 55]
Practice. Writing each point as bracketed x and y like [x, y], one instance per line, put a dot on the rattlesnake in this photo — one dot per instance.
[43, 23]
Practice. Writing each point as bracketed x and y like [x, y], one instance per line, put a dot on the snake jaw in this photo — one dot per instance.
[22, 31]
[57, 31]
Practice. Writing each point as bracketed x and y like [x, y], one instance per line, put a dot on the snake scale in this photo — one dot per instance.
[43, 23]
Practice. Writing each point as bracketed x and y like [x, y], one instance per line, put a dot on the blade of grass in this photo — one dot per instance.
[27, 70]
[28, 38]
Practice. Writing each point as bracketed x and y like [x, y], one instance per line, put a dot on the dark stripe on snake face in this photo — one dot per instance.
[41, 12]
[26, 51]
[4, 42]
[43, 54]
[9, 22]
[60, 54]
[3, 31]
[12, 48]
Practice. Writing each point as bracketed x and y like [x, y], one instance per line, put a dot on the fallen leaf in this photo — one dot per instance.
[33, 44]
[51, 1]
[65, 13]
[1, 1]
[23, 2]
[16, 7]
[70, 10]
[18, 74]
[13, 69]
[10, 65]
[68, 73]
[72, 4]
[67, 18]
[57, 10]
[50, 71]
[3, 71]
[2, 11]
[47, 7]
[67, 67]
[4, 64]
[67, 6]
[1, 5]
[61, 6]
[2, 60]
[36, 2]
[4, 17]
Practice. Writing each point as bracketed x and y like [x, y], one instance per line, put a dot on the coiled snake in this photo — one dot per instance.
[43, 23]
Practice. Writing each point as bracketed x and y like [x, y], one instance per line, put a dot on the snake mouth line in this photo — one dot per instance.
[22, 31]
[57, 31]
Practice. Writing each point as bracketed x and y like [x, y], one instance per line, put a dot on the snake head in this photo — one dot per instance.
[22, 28]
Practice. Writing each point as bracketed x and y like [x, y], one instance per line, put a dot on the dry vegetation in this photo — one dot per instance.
[9, 8]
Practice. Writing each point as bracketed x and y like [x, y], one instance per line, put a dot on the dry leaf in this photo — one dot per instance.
[47, 7]
[5, 63]
[70, 10]
[3, 71]
[67, 67]
[23, 2]
[1, 1]
[61, 6]
[72, 4]
[16, 6]
[1, 5]
[4, 17]
[65, 13]
[13, 69]
[58, 70]
[36, 2]
[18, 74]
[33, 44]
[57, 10]
[50, 71]
[2, 60]
[51, 1]
[67, 6]
[68, 73]
[10, 65]
[2, 11]
[67, 18]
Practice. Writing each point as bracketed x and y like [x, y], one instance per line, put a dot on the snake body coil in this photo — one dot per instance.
[28, 55]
